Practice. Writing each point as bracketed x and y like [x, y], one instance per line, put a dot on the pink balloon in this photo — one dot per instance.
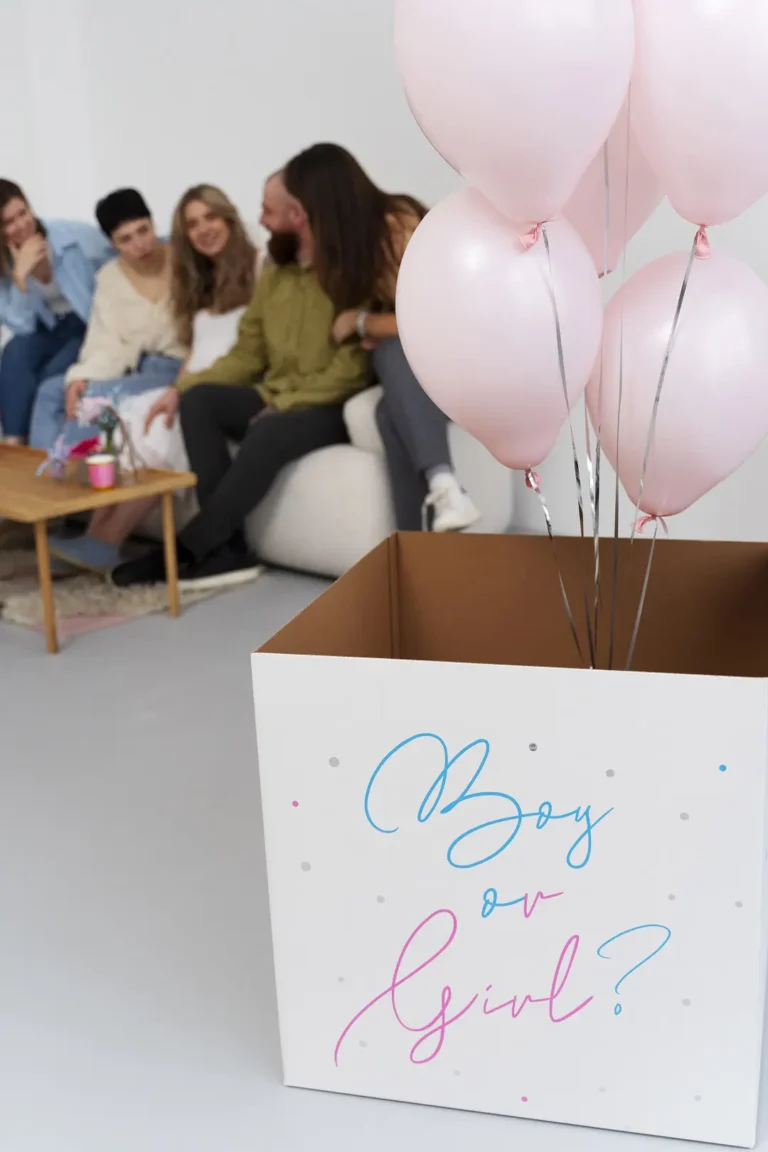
[700, 102]
[517, 95]
[477, 322]
[713, 410]
[630, 203]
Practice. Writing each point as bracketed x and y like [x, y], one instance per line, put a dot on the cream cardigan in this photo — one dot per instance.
[123, 327]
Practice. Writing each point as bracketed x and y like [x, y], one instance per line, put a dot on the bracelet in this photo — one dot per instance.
[362, 320]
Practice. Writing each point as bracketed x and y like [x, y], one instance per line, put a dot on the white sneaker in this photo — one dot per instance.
[452, 509]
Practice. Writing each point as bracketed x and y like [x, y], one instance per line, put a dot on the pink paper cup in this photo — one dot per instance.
[102, 471]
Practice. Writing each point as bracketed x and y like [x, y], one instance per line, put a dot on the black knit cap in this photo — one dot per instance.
[121, 207]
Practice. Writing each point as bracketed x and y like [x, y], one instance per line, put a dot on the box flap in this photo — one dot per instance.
[497, 600]
[353, 618]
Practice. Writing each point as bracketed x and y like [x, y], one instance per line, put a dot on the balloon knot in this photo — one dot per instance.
[644, 521]
[703, 249]
[532, 480]
[531, 238]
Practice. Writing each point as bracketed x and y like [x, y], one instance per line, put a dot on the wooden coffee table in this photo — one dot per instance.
[30, 499]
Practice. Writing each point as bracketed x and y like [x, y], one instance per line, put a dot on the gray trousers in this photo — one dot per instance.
[414, 431]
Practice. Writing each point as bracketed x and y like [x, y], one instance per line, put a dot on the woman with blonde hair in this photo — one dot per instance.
[213, 279]
[214, 272]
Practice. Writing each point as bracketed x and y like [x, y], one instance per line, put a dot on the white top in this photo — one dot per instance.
[124, 326]
[213, 335]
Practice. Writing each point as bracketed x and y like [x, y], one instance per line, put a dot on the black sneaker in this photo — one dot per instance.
[147, 569]
[224, 568]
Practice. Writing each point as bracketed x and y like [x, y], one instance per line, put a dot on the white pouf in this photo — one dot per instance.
[331, 508]
[324, 512]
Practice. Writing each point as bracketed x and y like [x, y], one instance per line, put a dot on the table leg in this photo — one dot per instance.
[46, 585]
[171, 562]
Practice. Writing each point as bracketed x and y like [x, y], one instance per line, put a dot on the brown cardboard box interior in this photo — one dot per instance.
[497, 600]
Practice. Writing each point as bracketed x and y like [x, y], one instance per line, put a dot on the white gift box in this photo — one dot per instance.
[506, 883]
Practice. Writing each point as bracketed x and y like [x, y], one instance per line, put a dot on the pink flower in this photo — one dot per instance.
[91, 408]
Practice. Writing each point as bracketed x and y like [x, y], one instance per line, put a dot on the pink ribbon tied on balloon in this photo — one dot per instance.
[702, 245]
[531, 237]
[644, 521]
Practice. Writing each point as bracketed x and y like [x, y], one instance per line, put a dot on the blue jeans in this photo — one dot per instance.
[49, 416]
[28, 360]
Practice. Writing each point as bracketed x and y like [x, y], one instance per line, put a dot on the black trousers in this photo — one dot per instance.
[212, 415]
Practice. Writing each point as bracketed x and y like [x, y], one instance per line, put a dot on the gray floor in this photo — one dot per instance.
[137, 1008]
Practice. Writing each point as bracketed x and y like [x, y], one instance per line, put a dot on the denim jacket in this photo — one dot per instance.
[77, 253]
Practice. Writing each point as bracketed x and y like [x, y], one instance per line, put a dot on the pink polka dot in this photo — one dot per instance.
[295, 804]
[524, 1099]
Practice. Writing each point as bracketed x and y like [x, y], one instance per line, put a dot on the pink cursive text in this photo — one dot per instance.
[433, 1031]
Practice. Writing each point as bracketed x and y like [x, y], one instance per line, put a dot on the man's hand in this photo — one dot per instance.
[268, 411]
[27, 258]
[345, 325]
[75, 392]
[166, 405]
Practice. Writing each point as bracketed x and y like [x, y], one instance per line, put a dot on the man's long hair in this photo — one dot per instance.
[350, 218]
[198, 282]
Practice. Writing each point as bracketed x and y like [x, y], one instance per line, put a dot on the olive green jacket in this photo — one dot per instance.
[285, 349]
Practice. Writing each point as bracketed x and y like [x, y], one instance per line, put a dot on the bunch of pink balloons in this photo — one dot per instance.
[519, 96]
[499, 307]
[700, 111]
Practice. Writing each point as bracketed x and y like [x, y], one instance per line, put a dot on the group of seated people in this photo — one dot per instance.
[226, 344]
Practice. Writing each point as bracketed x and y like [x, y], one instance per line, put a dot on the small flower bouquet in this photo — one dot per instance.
[60, 460]
[103, 412]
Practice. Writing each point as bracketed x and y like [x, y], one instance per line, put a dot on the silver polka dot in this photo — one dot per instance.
[610, 772]
[686, 1003]
[533, 747]
[684, 816]
[739, 904]
[697, 1099]
[457, 1073]
[363, 1043]
[333, 762]
[341, 979]
[306, 867]
[671, 896]
[601, 1089]
[381, 899]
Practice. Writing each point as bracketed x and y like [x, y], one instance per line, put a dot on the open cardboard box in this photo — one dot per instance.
[500, 881]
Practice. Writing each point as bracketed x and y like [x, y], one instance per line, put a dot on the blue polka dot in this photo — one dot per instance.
[723, 767]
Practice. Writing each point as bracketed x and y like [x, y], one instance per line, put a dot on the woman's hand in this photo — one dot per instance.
[27, 258]
[345, 325]
[75, 392]
[166, 405]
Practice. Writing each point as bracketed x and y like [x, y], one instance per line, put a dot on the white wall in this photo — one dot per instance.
[165, 93]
